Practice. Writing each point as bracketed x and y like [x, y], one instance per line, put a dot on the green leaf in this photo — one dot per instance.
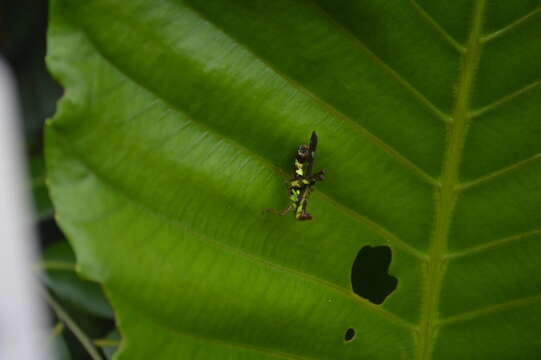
[178, 128]
[40, 194]
[59, 265]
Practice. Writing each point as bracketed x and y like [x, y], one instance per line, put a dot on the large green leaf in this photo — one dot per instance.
[178, 127]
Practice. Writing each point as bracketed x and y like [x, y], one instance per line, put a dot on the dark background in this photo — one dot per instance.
[23, 30]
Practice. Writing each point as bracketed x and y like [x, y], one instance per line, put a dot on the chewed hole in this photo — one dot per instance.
[350, 335]
[369, 276]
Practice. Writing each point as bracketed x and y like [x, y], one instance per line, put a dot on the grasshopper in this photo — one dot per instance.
[303, 181]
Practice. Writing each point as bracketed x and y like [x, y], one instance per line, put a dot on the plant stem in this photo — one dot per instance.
[106, 343]
[56, 331]
[64, 317]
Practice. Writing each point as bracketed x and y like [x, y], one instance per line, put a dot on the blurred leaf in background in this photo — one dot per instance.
[60, 276]
[40, 193]
[23, 25]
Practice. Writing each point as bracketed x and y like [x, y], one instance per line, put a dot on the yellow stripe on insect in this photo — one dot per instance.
[294, 195]
[299, 168]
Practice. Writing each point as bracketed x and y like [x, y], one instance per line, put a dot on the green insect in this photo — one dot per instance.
[303, 181]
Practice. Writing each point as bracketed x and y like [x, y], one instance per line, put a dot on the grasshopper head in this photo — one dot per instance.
[303, 152]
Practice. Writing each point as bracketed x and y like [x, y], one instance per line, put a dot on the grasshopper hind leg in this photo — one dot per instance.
[281, 213]
[302, 214]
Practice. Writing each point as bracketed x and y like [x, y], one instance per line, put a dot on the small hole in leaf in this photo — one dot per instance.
[369, 277]
[350, 335]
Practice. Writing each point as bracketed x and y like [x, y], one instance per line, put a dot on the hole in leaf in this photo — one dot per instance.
[369, 277]
[349, 335]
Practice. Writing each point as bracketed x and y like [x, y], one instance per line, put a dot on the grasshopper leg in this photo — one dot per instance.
[281, 213]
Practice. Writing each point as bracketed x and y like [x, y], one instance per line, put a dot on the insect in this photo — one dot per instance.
[301, 185]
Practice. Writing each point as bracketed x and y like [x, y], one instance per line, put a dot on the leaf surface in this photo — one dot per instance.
[178, 128]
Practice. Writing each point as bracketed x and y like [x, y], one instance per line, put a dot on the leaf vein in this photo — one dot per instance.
[506, 29]
[498, 173]
[403, 160]
[505, 99]
[448, 193]
[446, 118]
[438, 28]
[491, 309]
[141, 204]
[492, 244]
[371, 224]
[213, 340]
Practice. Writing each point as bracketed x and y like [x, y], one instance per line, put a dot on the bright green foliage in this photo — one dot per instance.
[178, 128]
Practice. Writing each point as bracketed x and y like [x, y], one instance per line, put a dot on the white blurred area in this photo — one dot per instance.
[22, 313]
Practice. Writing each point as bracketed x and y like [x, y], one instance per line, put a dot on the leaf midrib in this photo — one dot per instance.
[450, 179]
[450, 185]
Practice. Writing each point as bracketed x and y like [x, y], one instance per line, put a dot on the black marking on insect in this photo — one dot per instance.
[303, 181]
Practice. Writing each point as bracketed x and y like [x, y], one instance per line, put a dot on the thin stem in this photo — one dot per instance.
[102, 343]
[56, 331]
[64, 317]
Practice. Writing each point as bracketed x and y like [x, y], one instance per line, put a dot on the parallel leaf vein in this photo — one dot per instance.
[403, 160]
[499, 173]
[126, 299]
[438, 28]
[388, 69]
[371, 224]
[491, 309]
[506, 29]
[506, 99]
[137, 202]
[492, 244]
